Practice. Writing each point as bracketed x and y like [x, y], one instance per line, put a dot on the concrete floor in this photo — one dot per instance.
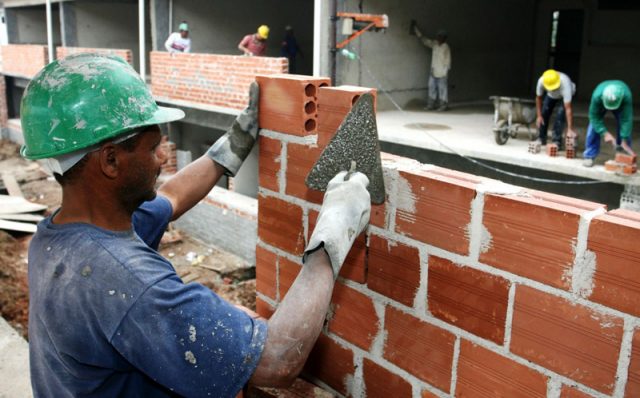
[467, 130]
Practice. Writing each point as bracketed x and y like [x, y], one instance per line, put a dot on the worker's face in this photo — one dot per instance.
[142, 168]
[184, 34]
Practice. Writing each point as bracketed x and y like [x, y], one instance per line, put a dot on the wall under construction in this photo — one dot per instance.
[461, 285]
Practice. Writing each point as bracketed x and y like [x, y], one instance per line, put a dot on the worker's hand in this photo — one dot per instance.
[539, 121]
[608, 137]
[627, 148]
[344, 214]
[571, 134]
[233, 147]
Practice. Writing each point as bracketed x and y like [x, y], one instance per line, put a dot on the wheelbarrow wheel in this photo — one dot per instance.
[501, 132]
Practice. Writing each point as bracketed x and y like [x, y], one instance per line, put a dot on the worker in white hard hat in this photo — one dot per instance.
[553, 87]
[255, 43]
[179, 42]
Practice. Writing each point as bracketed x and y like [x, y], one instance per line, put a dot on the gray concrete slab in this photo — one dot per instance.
[15, 380]
[467, 130]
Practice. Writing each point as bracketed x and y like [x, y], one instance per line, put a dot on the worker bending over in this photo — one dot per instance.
[109, 316]
[552, 87]
[255, 43]
[614, 96]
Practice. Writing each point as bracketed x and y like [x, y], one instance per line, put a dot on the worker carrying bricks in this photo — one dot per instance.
[614, 96]
[554, 88]
[440, 66]
[255, 43]
[179, 42]
[108, 315]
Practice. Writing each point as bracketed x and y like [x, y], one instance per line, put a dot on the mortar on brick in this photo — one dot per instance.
[584, 268]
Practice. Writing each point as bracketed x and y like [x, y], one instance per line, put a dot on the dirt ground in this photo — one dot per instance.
[194, 261]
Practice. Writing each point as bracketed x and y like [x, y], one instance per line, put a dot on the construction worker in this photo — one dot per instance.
[108, 314]
[552, 87]
[179, 42]
[440, 66]
[290, 49]
[614, 96]
[255, 43]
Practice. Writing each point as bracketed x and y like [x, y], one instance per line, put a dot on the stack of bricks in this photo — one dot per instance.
[622, 164]
[534, 147]
[169, 148]
[552, 150]
[125, 54]
[23, 60]
[570, 148]
[209, 79]
[461, 285]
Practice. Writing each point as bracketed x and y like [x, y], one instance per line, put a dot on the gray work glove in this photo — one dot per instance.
[233, 147]
[344, 214]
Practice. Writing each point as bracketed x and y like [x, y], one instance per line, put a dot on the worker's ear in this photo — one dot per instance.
[108, 158]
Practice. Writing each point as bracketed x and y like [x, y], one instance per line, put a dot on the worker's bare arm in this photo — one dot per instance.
[568, 108]
[191, 184]
[539, 119]
[295, 326]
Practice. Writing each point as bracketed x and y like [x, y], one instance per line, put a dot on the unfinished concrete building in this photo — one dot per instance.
[462, 286]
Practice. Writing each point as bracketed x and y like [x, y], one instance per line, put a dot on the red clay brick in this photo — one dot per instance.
[613, 238]
[421, 349]
[288, 272]
[428, 394]
[633, 377]
[572, 392]
[570, 339]
[269, 163]
[470, 299]
[263, 308]
[381, 383]
[334, 103]
[612, 165]
[280, 224]
[266, 263]
[354, 266]
[483, 373]
[534, 235]
[300, 160]
[626, 159]
[331, 363]
[394, 269]
[435, 209]
[289, 103]
[354, 318]
[378, 215]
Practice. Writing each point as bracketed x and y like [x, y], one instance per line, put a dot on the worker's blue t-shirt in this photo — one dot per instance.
[109, 317]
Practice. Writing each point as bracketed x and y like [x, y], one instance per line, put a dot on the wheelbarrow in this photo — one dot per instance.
[511, 116]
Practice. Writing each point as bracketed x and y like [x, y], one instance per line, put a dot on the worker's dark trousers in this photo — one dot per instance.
[592, 146]
[548, 105]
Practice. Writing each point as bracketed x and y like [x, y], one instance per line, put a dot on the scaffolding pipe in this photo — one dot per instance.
[49, 31]
[317, 26]
[141, 38]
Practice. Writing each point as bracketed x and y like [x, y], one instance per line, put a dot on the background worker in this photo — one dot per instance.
[614, 96]
[289, 48]
[440, 66]
[108, 314]
[552, 87]
[179, 42]
[255, 43]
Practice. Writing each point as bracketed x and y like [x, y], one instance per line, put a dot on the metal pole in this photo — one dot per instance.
[332, 39]
[170, 16]
[141, 43]
[317, 22]
[49, 31]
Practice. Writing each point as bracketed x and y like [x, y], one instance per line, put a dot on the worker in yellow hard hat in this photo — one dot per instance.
[256, 43]
[552, 87]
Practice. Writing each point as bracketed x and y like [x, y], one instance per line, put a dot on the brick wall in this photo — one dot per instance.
[24, 60]
[209, 79]
[126, 54]
[461, 286]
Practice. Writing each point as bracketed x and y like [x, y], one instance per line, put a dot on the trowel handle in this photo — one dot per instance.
[351, 171]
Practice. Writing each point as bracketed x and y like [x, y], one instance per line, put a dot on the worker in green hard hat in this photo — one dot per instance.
[614, 96]
[108, 315]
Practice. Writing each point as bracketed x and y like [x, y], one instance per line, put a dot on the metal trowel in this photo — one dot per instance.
[354, 147]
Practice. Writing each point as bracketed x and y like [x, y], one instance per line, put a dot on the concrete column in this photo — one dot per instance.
[11, 18]
[68, 25]
[160, 24]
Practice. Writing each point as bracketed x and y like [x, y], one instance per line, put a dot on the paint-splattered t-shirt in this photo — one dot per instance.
[110, 317]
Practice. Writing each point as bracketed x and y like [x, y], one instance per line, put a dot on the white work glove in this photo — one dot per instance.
[344, 214]
[232, 148]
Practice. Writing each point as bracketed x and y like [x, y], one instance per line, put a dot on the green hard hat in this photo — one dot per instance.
[83, 99]
[612, 96]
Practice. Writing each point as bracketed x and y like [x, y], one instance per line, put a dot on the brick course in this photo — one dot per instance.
[123, 53]
[23, 60]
